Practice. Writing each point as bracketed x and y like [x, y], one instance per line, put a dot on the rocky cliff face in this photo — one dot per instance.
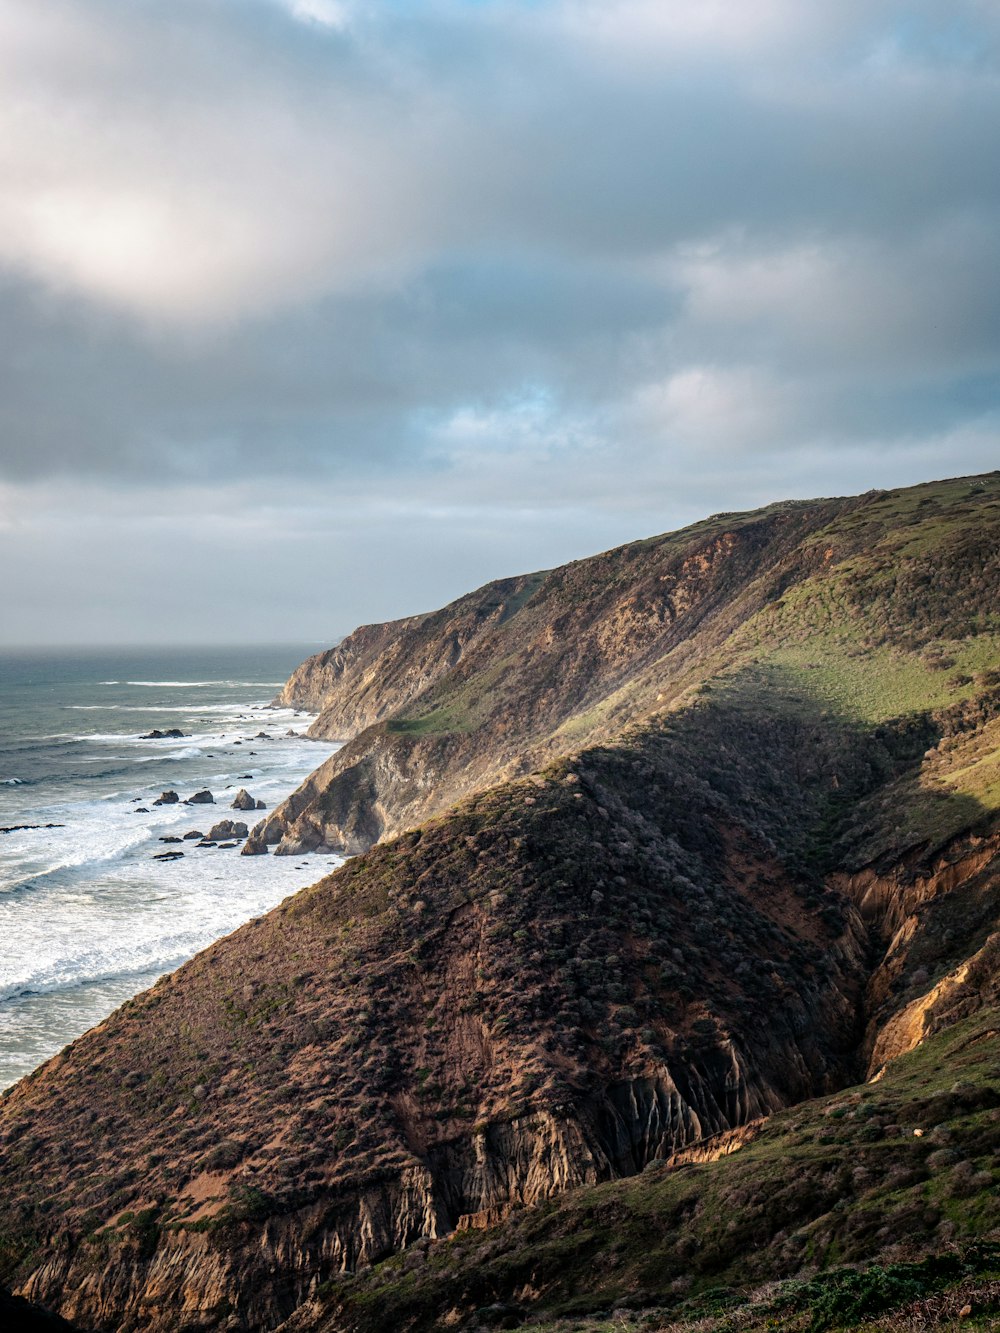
[524, 670]
[757, 859]
[505, 680]
[380, 669]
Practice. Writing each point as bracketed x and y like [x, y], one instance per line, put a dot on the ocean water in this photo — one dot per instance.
[88, 917]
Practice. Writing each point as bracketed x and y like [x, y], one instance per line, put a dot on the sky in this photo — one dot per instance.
[320, 312]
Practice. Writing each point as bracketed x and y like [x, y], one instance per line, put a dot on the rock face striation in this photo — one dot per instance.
[758, 856]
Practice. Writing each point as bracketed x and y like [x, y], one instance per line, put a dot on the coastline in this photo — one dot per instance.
[100, 891]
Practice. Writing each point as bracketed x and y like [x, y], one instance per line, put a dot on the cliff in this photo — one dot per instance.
[846, 597]
[501, 682]
[757, 860]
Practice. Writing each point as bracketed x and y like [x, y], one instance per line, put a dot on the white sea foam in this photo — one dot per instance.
[87, 915]
[199, 684]
[101, 906]
[180, 708]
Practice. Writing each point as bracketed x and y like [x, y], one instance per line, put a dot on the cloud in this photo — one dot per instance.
[531, 275]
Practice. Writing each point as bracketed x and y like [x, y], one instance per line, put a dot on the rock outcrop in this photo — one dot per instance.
[226, 828]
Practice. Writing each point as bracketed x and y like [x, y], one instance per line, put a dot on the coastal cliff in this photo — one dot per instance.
[702, 829]
[504, 680]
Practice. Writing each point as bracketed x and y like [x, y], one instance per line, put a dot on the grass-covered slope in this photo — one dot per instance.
[873, 607]
[562, 980]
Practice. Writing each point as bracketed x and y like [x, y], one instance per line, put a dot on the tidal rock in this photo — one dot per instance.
[168, 856]
[167, 798]
[17, 828]
[170, 838]
[243, 801]
[226, 828]
[261, 736]
[201, 798]
[193, 835]
[255, 846]
[174, 733]
[142, 809]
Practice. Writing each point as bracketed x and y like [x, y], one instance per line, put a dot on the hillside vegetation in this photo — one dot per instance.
[707, 830]
[870, 608]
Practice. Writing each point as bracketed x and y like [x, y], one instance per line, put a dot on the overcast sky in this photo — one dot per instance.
[316, 312]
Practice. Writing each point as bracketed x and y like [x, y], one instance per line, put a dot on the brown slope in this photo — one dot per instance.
[554, 985]
[563, 978]
[566, 978]
[506, 679]
[379, 669]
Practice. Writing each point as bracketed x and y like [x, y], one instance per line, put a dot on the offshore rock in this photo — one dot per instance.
[226, 828]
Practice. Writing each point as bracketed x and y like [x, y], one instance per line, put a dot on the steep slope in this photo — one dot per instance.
[751, 891]
[560, 982]
[899, 1176]
[503, 681]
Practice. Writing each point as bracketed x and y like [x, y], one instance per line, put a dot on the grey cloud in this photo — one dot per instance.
[552, 274]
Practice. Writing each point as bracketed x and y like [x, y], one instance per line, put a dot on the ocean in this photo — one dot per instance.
[88, 916]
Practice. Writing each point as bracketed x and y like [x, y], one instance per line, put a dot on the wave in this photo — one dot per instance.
[256, 705]
[12, 782]
[199, 684]
[151, 967]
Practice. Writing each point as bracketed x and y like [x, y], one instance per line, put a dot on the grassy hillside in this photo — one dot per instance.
[870, 609]
[750, 856]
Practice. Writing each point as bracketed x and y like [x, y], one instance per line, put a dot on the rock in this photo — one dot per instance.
[261, 805]
[224, 846]
[206, 842]
[226, 829]
[174, 733]
[167, 798]
[261, 736]
[171, 838]
[255, 846]
[17, 828]
[168, 856]
[142, 809]
[243, 801]
[193, 835]
[245, 777]
[201, 798]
